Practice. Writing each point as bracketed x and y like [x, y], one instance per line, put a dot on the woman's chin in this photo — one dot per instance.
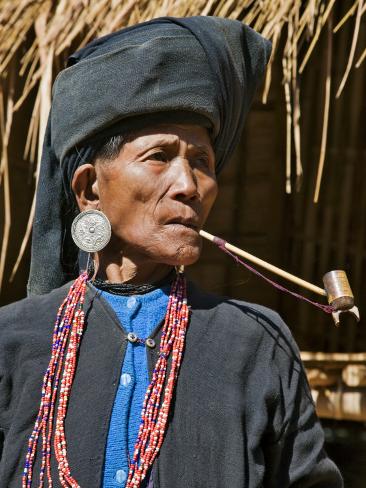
[184, 255]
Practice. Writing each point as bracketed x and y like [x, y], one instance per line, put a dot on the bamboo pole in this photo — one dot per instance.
[332, 357]
[354, 375]
[326, 111]
[353, 48]
[319, 377]
[340, 404]
[4, 168]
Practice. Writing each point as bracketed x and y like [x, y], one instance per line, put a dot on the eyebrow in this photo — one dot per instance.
[202, 147]
[172, 140]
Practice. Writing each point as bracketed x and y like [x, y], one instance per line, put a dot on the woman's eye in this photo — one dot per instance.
[159, 156]
[203, 160]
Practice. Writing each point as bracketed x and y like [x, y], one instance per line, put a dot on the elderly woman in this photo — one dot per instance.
[144, 380]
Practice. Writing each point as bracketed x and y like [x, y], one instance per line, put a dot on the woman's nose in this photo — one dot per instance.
[184, 181]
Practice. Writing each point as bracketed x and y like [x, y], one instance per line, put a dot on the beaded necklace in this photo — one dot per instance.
[127, 289]
[67, 334]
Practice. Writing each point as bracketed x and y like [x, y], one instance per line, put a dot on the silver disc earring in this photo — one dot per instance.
[91, 230]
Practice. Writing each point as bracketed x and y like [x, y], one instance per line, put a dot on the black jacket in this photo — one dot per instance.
[242, 417]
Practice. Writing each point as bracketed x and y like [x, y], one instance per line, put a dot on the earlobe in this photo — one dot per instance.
[85, 187]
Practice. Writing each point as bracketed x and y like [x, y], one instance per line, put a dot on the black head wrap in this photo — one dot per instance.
[198, 69]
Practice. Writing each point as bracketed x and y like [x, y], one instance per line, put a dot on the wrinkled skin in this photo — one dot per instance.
[157, 195]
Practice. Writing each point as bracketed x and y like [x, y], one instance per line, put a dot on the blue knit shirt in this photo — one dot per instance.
[139, 314]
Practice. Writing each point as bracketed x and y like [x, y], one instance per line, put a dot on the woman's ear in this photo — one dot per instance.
[85, 187]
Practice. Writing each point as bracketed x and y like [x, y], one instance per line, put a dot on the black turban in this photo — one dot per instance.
[200, 70]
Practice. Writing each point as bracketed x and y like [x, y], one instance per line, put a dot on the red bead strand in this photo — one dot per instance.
[70, 316]
[154, 415]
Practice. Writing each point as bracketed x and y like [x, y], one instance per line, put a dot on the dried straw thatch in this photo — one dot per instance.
[36, 37]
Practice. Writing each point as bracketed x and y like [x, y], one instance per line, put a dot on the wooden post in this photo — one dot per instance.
[340, 404]
[354, 375]
[319, 377]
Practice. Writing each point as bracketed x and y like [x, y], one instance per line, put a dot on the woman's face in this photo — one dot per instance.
[158, 193]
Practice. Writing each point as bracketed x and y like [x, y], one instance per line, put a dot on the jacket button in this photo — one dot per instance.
[131, 337]
[150, 342]
[121, 476]
[131, 302]
[125, 379]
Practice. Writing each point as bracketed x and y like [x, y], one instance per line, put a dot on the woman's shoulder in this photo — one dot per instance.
[34, 309]
[204, 300]
[244, 320]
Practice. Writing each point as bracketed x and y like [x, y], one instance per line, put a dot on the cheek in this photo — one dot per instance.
[129, 202]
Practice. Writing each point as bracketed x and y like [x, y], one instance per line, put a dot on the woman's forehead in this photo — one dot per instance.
[171, 134]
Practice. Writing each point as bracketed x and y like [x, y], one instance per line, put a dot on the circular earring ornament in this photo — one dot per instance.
[91, 230]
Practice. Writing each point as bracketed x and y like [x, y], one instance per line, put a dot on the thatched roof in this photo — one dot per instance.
[36, 37]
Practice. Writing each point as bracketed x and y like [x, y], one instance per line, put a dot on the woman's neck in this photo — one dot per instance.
[125, 270]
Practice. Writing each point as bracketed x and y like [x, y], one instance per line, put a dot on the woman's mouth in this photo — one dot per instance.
[188, 223]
